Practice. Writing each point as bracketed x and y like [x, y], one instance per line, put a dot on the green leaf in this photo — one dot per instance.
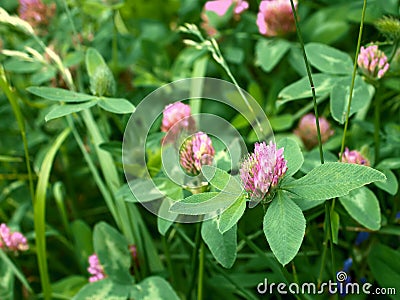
[328, 59]
[221, 180]
[222, 245]
[103, 289]
[163, 225]
[389, 163]
[82, 237]
[391, 185]
[39, 211]
[69, 286]
[153, 287]
[7, 271]
[362, 95]
[284, 227]
[116, 105]
[232, 214]
[335, 223]
[65, 110]
[313, 160]
[204, 203]
[292, 154]
[16, 65]
[301, 89]
[269, 52]
[145, 190]
[112, 250]
[363, 206]
[332, 180]
[7, 279]
[385, 265]
[57, 94]
[281, 122]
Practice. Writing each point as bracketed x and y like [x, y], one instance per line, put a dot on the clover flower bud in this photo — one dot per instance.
[95, 269]
[12, 241]
[307, 130]
[196, 151]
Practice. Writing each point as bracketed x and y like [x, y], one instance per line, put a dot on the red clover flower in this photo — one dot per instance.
[372, 62]
[262, 170]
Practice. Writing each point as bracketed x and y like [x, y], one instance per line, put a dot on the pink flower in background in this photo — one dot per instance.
[220, 7]
[177, 117]
[307, 130]
[372, 62]
[176, 113]
[35, 12]
[275, 17]
[95, 269]
[13, 241]
[354, 157]
[196, 151]
[262, 169]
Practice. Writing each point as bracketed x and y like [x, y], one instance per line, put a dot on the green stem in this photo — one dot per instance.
[219, 269]
[115, 44]
[377, 126]
[10, 93]
[201, 272]
[199, 70]
[353, 78]
[168, 259]
[96, 176]
[321, 270]
[308, 68]
[394, 50]
[195, 254]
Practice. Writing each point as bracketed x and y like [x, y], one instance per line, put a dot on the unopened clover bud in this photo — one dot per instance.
[307, 130]
[196, 151]
[102, 82]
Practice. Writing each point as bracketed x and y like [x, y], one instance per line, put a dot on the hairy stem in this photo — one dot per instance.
[308, 68]
[353, 79]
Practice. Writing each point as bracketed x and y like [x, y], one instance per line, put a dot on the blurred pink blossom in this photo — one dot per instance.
[307, 130]
[95, 269]
[221, 7]
[354, 157]
[177, 117]
[13, 241]
[35, 12]
[275, 17]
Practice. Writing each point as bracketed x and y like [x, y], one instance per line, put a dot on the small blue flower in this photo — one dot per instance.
[361, 237]
[347, 264]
